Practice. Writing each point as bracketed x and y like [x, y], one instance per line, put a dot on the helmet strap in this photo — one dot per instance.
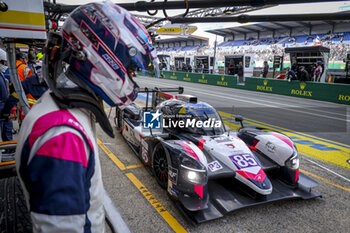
[85, 101]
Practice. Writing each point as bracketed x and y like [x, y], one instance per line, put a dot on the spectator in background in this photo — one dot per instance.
[22, 67]
[184, 67]
[239, 69]
[200, 67]
[318, 72]
[295, 67]
[265, 70]
[231, 67]
[290, 74]
[189, 68]
[303, 75]
[311, 70]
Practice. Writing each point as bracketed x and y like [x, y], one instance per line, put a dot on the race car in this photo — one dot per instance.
[207, 169]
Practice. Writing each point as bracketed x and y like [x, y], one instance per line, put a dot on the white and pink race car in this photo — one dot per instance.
[205, 168]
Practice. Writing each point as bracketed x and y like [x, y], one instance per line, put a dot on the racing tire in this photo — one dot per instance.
[160, 166]
[13, 209]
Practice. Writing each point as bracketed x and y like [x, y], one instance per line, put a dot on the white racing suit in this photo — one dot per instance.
[58, 165]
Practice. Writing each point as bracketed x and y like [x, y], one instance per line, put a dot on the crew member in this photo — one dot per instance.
[57, 154]
[3, 92]
[318, 72]
[231, 67]
[265, 70]
[23, 69]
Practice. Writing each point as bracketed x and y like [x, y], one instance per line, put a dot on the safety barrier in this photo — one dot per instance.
[210, 79]
[331, 92]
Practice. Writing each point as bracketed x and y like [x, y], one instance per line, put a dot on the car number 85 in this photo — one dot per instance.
[244, 160]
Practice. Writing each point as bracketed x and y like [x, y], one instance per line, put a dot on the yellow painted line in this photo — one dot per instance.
[325, 150]
[22, 17]
[134, 166]
[111, 155]
[325, 180]
[173, 223]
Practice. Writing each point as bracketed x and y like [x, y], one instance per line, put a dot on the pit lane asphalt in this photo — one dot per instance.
[327, 214]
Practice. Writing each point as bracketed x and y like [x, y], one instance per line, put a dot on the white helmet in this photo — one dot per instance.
[3, 60]
[106, 41]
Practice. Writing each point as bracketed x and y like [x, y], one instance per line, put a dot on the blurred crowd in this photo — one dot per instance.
[265, 49]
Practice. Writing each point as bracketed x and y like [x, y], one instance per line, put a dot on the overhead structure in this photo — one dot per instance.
[206, 10]
[224, 11]
[143, 6]
[279, 29]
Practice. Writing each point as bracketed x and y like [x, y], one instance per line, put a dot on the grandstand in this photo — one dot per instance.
[269, 38]
[266, 40]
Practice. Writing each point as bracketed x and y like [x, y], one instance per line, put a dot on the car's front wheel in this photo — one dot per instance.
[160, 166]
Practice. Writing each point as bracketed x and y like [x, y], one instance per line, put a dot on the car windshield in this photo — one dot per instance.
[204, 119]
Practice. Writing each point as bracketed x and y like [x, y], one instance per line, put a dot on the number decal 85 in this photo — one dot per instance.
[242, 161]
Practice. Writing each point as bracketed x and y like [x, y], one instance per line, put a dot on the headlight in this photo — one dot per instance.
[293, 162]
[193, 175]
[192, 170]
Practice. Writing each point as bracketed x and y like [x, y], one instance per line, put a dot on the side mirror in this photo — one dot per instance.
[239, 119]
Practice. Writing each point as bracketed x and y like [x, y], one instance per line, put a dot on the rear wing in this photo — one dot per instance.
[159, 95]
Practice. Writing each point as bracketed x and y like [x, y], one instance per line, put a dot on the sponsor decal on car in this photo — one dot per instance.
[270, 147]
[243, 160]
[144, 151]
[214, 166]
[222, 139]
[173, 175]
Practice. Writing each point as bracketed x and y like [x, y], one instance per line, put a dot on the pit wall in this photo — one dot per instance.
[331, 92]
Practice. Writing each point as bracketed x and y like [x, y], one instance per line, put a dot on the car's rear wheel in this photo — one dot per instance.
[160, 166]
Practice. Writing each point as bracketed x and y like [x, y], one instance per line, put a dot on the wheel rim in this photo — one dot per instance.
[161, 166]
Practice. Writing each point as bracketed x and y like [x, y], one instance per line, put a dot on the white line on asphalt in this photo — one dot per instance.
[114, 216]
[327, 169]
[256, 102]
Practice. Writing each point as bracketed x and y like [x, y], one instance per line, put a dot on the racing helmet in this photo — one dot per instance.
[105, 41]
[3, 60]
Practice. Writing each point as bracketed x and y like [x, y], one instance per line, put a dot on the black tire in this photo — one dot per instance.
[13, 209]
[160, 166]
